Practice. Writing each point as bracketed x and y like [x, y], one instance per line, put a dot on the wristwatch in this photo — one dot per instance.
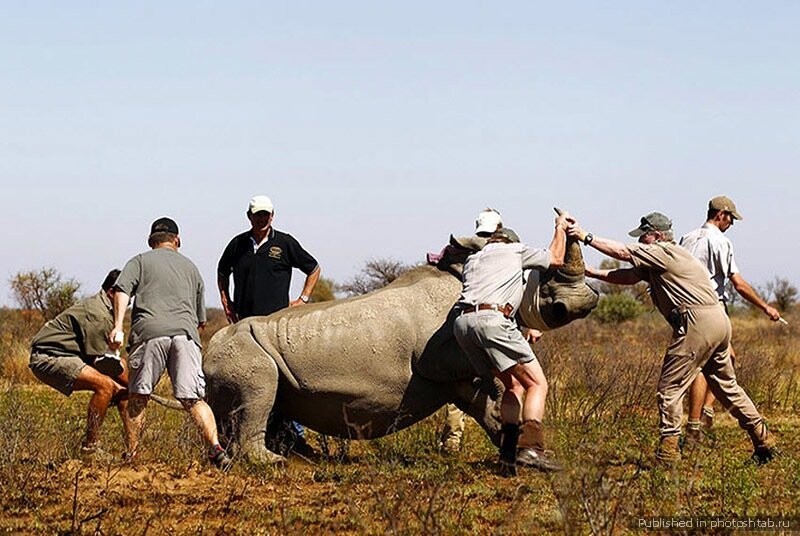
[304, 298]
[588, 238]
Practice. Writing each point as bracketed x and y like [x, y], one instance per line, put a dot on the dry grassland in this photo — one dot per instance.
[602, 423]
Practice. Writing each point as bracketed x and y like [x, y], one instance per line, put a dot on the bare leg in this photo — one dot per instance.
[104, 390]
[203, 418]
[136, 406]
[531, 377]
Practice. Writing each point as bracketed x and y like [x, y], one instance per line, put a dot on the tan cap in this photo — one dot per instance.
[724, 204]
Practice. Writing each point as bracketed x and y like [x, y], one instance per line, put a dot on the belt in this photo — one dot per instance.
[506, 309]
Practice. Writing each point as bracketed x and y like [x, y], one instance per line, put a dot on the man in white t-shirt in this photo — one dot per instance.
[715, 252]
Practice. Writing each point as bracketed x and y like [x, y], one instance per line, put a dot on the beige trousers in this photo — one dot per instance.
[453, 427]
[701, 343]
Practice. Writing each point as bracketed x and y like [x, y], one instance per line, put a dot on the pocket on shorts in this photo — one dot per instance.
[135, 358]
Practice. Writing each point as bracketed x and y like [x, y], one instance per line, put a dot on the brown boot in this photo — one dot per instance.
[531, 451]
[669, 451]
[764, 448]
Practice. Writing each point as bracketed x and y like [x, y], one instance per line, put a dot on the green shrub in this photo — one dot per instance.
[616, 308]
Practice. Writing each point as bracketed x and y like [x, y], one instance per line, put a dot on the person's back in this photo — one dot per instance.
[169, 295]
[714, 251]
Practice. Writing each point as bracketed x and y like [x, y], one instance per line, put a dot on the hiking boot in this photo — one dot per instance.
[764, 448]
[538, 459]
[693, 435]
[762, 455]
[669, 451]
[707, 417]
[509, 437]
[219, 458]
[507, 468]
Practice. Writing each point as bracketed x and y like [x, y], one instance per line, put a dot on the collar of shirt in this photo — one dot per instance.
[712, 228]
[257, 245]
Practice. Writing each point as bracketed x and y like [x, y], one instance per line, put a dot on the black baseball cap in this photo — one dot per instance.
[164, 225]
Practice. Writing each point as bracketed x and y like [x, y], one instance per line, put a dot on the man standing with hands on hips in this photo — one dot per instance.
[261, 262]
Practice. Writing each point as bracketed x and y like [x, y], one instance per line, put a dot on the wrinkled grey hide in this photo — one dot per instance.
[357, 368]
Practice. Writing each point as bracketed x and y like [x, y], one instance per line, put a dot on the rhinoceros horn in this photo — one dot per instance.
[557, 297]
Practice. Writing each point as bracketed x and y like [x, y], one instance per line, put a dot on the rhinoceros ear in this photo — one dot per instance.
[472, 243]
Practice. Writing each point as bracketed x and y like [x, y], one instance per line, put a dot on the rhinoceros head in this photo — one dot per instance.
[557, 297]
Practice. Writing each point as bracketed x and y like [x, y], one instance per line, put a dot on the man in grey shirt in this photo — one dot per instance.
[168, 310]
[489, 335]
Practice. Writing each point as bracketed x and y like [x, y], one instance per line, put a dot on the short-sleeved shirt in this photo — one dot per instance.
[262, 273]
[168, 295]
[715, 252]
[80, 330]
[495, 274]
[675, 276]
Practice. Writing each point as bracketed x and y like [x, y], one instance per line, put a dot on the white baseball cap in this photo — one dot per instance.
[260, 203]
[488, 221]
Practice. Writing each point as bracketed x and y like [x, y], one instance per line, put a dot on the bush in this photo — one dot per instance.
[616, 308]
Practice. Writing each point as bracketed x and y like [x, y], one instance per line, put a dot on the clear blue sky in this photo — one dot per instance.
[378, 129]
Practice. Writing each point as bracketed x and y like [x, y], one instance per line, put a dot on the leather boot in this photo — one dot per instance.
[669, 451]
[693, 436]
[531, 448]
[764, 448]
[509, 437]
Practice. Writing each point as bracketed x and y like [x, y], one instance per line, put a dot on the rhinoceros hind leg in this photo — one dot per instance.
[244, 380]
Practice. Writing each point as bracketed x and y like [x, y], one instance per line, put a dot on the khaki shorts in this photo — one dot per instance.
[59, 372]
[491, 341]
[179, 355]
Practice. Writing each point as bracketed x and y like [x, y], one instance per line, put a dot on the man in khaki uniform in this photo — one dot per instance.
[682, 292]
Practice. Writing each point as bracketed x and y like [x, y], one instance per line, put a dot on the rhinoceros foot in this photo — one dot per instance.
[257, 454]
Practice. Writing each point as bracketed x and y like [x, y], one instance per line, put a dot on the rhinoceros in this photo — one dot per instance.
[371, 365]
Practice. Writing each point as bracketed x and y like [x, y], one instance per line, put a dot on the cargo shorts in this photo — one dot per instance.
[179, 355]
[491, 341]
[59, 372]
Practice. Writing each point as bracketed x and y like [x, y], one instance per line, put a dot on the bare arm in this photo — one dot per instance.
[558, 246]
[308, 287]
[121, 301]
[606, 246]
[617, 276]
[223, 284]
[748, 293]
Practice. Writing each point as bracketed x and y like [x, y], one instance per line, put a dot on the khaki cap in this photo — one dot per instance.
[725, 204]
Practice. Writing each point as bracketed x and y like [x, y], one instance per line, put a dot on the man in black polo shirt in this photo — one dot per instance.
[261, 261]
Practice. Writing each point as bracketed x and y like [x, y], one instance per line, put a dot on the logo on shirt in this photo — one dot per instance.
[275, 252]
